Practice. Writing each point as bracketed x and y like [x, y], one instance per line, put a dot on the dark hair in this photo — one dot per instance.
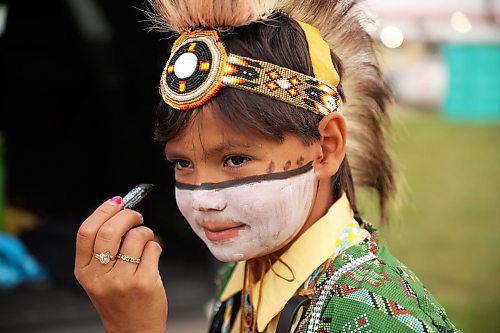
[281, 41]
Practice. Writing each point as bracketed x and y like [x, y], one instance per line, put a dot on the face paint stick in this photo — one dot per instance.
[136, 195]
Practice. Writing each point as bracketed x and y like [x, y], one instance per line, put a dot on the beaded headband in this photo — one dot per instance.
[199, 67]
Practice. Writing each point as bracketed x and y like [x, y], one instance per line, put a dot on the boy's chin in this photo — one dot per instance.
[235, 256]
[232, 255]
[228, 257]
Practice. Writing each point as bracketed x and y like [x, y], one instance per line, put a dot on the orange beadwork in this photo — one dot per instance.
[199, 66]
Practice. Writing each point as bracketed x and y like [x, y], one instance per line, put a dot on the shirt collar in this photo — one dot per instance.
[308, 252]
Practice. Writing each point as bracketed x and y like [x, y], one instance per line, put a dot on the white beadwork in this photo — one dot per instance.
[217, 55]
[185, 65]
[327, 288]
[330, 103]
[284, 84]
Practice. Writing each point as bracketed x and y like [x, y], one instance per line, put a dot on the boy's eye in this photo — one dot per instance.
[182, 164]
[235, 161]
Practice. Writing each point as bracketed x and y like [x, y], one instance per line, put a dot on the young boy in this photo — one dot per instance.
[266, 161]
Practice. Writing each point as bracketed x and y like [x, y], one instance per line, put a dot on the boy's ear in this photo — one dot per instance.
[332, 129]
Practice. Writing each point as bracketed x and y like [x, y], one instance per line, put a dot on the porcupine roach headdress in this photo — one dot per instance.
[336, 22]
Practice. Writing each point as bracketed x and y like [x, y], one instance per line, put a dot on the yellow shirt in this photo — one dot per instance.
[308, 252]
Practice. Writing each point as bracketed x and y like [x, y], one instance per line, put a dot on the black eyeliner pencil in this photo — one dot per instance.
[136, 195]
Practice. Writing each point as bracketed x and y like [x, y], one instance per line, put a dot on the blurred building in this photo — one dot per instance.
[448, 53]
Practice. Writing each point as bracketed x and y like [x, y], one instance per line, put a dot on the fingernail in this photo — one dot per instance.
[115, 201]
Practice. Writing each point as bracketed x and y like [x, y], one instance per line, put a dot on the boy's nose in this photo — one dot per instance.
[208, 200]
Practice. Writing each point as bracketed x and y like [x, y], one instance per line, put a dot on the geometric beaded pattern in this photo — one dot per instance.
[193, 72]
[360, 324]
[280, 83]
[327, 288]
[347, 237]
[199, 66]
[360, 279]
[368, 275]
[384, 305]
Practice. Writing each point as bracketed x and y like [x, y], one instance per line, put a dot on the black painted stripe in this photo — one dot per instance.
[246, 180]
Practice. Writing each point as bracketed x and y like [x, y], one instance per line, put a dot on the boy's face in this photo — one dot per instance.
[246, 218]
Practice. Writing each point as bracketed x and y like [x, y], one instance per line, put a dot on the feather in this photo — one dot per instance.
[181, 15]
[341, 23]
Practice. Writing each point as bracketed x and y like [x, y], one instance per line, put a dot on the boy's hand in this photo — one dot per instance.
[129, 297]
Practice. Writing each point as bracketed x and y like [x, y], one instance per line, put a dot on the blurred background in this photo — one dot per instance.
[80, 86]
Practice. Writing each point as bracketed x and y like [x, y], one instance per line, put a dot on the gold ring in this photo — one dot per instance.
[104, 258]
[128, 259]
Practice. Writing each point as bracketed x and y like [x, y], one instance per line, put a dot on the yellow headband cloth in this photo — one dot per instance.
[319, 51]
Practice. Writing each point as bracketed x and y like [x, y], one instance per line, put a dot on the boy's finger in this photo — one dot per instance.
[87, 232]
[132, 246]
[149, 260]
[109, 236]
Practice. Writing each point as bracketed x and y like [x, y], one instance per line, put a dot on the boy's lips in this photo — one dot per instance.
[222, 230]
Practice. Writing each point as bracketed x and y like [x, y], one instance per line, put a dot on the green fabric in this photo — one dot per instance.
[380, 295]
[222, 279]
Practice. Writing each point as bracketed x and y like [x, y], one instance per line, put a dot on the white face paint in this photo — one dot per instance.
[249, 218]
